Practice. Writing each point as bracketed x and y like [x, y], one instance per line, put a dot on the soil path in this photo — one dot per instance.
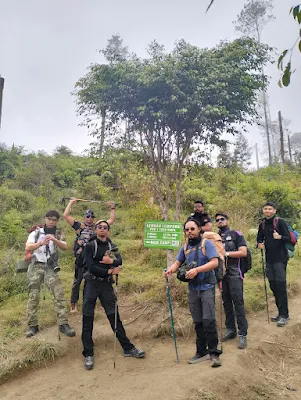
[243, 374]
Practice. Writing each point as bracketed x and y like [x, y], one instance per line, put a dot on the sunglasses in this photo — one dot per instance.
[90, 216]
[104, 227]
[220, 219]
[189, 229]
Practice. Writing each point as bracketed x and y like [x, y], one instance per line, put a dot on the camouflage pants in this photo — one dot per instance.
[35, 275]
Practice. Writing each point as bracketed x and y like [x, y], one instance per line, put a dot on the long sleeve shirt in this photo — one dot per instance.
[94, 264]
[275, 250]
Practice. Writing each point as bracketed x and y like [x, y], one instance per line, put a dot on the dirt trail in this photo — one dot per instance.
[267, 369]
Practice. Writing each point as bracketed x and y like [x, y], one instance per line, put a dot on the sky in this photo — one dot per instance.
[47, 45]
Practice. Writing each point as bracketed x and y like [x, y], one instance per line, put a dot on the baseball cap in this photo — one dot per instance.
[205, 221]
[89, 213]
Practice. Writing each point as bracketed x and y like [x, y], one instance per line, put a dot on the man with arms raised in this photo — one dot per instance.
[84, 231]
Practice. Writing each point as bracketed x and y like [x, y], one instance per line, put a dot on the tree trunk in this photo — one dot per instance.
[281, 140]
[272, 134]
[102, 131]
[267, 127]
[289, 148]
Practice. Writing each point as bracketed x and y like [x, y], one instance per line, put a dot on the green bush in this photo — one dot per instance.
[12, 284]
[141, 212]
[10, 229]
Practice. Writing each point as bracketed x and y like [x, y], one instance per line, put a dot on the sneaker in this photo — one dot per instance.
[67, 330]
[228, 336]
[242, 342]
[32, 330]
[89, 362]
[134, 352]
[277, 317]
[198, 358]
[215, 361]
[73, 308]
[282, 321]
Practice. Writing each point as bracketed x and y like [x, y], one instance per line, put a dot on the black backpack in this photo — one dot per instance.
[245, 263]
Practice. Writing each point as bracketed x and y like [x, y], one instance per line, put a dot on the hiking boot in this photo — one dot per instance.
[89, 362]
[73, 308]
[198, 358]
[67, 330]
[32, 330]
[134, 352]
[215, 361]
[282, 321]
[275, 318]
[242, 342]
[228, 336]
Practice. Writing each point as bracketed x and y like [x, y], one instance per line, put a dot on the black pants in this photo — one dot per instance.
[276, 274]
[202, 308]
[233, 299]
[104, 291]
[78, 277]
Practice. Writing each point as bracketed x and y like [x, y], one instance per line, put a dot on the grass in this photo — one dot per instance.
[37, 352]
[43, 351]
[141, 280]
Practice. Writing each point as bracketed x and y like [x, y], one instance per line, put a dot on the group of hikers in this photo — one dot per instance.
[98, 262]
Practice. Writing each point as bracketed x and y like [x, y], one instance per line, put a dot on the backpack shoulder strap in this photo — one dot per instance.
[37, 234]
[202, 246]
[262, 224]
[275, 223]
[95, 248]
[185, 248]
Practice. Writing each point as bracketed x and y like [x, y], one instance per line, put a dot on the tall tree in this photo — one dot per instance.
[242, 152]
[286, 71]
[62, 151]
[225, 158]
[173, 101]
[115, 51]
[255, 15]
[96, 117]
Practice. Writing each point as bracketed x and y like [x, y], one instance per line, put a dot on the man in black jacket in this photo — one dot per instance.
[272, 236]
[103, 261]
[199, 214]
[232, 284]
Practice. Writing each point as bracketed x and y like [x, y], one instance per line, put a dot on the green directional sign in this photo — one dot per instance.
[162, 234]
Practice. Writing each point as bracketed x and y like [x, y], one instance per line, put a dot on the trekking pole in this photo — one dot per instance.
[115, 324]
[171, 319]
[265, 285]
[63, 201]
[220, 285]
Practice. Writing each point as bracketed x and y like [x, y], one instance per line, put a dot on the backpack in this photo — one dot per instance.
[294, 235]
[244, 263]
[216, 240]
[219, 271]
